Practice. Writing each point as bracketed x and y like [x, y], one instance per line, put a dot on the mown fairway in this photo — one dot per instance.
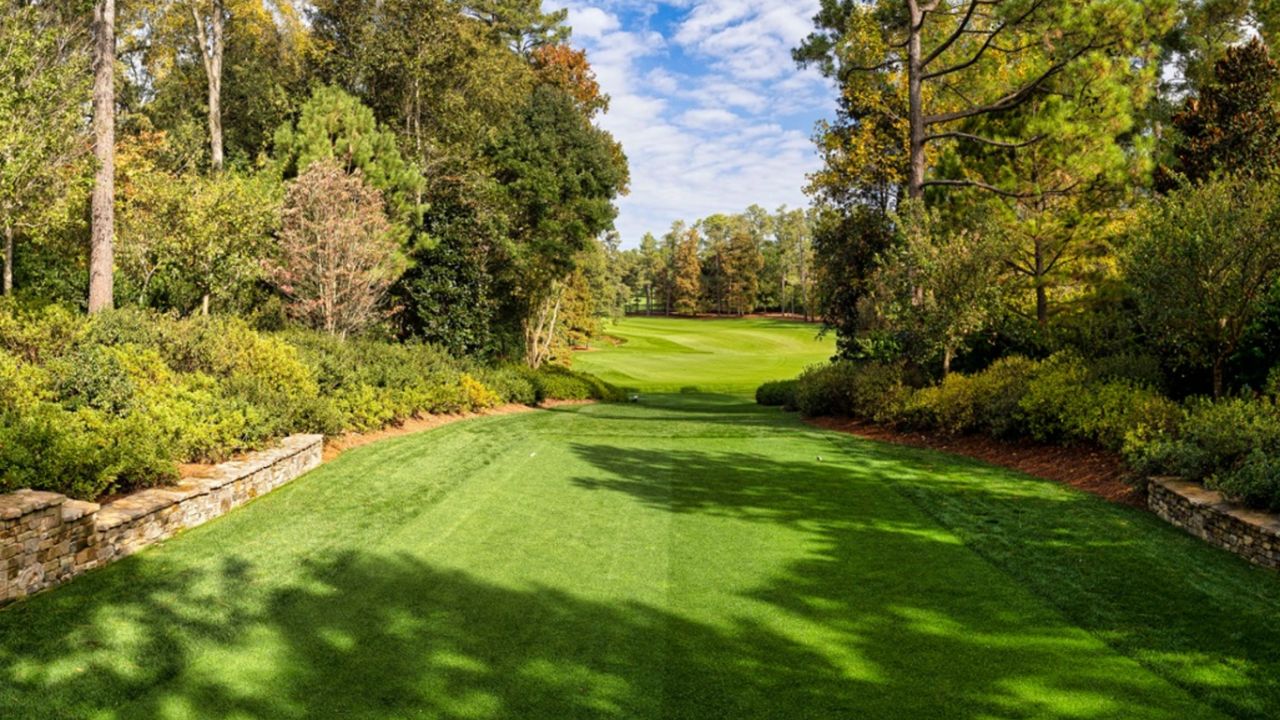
[691, 556]
[660, 354]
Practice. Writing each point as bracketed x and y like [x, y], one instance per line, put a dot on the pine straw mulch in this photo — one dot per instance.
[1095, 471]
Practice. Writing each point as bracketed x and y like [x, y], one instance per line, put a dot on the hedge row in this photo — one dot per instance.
[92, 406]
[1232, 445]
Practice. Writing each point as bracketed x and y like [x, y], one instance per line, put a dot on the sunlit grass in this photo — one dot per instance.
[660, 354]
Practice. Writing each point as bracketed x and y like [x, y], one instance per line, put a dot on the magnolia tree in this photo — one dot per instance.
[337, 256]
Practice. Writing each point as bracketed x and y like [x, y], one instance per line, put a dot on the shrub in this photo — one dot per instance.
[781, 393]
[42, 334]
[509, 383]
[1256, 482]
[555, 382]
[94, 405]
[22, 385]
[1052, 397]
[95, 376]
[83, 454]
[949, 407]
[998, 393]
[870, 391]
[1212, 440]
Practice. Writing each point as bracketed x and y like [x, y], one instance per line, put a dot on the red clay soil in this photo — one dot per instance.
[1095, 471]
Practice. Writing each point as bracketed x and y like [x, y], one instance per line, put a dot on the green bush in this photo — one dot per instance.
[83, 453]
[868, 391]
[781, 393]
[948, 407]
[998, 393]
[1214, 442]
[556, 382]
[111, 403]
[509, 383]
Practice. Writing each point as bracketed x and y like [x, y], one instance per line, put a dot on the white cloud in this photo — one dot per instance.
[708, 119]
[714, 116]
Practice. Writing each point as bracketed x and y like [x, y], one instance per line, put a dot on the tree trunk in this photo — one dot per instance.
[102, 256]
[947, 355]
[915, 95]
[8, 259]
[1219, 371]
[204, 305]
[211, 51]
[1042, 293]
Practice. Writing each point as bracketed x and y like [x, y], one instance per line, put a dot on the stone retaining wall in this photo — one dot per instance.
[1208, 515]
[47, 539]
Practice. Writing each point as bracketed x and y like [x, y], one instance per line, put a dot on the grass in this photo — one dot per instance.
[661, 354]
[690, 556]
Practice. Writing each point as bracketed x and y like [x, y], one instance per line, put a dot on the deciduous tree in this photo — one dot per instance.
[1200, 261]
[686, 274]
[101, 252]
[936, 287]
[43, 137]
[337, 256]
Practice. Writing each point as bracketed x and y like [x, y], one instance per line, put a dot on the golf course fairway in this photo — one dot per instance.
[687, 556]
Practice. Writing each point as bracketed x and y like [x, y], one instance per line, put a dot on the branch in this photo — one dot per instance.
[998, 191]
[985, 141]
[959, 31]
[1015, 98]
[991, 38]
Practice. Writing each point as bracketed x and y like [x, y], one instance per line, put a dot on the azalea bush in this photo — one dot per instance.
[93, 406]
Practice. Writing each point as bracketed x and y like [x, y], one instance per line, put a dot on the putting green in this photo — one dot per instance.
[690, 556]
[661, 354]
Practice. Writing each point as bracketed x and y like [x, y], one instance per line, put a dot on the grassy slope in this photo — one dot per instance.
[689, 557]
[668, 354]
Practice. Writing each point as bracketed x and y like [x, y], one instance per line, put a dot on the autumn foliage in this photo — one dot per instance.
[337, 256]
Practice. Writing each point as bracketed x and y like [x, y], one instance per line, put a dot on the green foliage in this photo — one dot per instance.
[334, 125]
[1200, 261]
[1060, 400]
[556, 382]
[1066, 403]
[90, 406]
[1229, 444]
[780, 393]
[191, 242]
[1233, 123]
[43, 145]
[559, 175]
[936, 287]
[447, 296]
[862, 390]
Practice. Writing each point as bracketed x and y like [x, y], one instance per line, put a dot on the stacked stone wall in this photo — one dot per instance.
[47, 539]
[1208, 515]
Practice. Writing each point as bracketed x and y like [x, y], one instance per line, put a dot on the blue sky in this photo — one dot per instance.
[710, 108]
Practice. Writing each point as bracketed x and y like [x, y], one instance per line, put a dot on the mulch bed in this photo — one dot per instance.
[1095, 471]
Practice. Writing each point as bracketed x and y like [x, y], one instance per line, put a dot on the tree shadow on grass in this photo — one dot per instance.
[886, 612]
[377, 636]
[1198, 617]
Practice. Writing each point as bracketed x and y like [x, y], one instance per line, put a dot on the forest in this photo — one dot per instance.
[459, 151]
[225, 221]
[1055, 221]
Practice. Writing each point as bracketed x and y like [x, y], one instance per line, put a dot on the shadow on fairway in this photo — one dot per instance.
[1191, 613]
[389, 636]
[906, 623]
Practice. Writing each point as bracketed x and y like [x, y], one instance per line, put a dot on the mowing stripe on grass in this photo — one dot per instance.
[687, 557]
